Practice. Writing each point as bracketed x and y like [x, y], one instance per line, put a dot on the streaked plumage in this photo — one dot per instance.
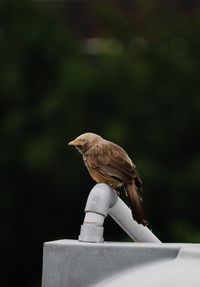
[109, 163]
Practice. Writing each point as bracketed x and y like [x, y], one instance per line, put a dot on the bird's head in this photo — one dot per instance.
[85, 141]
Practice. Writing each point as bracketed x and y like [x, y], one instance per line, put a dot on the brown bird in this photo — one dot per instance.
[108, 163]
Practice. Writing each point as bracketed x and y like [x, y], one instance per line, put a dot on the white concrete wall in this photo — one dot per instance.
[77, 264]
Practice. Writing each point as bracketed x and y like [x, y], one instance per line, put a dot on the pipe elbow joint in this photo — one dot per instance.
[101, 198]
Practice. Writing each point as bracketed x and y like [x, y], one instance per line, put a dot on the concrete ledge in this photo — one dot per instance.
[77, 264]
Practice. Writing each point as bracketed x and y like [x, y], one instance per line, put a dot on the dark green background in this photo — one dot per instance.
[141, 91]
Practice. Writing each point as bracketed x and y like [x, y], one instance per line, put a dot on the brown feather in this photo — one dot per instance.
[110, 159]
[136, 204]
[109, 163]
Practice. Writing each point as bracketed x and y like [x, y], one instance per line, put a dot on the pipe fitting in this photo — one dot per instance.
[104, 200]
[100, 199]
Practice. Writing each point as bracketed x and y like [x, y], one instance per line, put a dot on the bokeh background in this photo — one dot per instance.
[128, 70]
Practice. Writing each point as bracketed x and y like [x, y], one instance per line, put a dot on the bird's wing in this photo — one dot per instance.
[111, 160]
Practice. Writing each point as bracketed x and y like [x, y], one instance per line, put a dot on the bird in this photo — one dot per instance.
[109, 163]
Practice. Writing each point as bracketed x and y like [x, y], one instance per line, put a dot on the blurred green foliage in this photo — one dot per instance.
[141, 92]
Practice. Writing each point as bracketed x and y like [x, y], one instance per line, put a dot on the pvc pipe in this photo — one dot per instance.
[100, 199]
[103, 200]
[122, 214]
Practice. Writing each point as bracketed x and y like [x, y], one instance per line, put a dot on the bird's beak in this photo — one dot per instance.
[75, 142]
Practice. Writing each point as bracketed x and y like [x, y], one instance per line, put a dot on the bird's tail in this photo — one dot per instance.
[136, 204]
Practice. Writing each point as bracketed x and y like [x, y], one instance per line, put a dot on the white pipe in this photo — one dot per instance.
[122, 214]
[103, 200]
[100, 199]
